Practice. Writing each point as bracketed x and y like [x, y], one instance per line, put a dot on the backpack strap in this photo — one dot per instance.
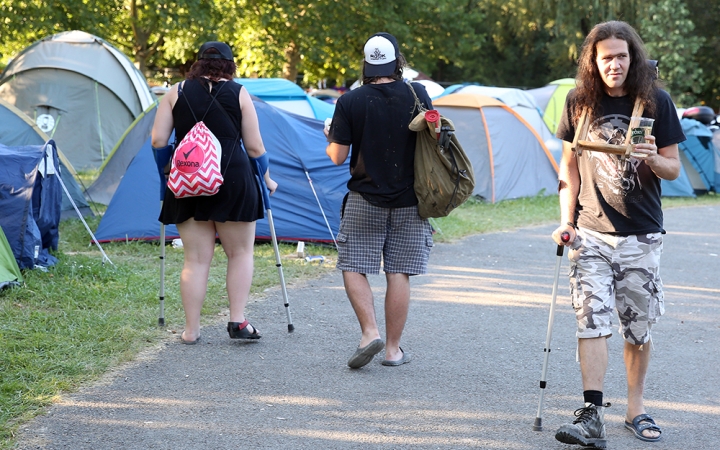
[225, 113]
[217, 91]
[419, 105]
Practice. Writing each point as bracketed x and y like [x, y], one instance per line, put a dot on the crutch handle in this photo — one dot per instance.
[565, 237]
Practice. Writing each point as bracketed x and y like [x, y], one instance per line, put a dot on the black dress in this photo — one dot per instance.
[239, 198]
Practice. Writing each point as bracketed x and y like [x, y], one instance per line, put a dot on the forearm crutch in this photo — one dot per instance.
[162, 157]
[537, 426]
[261, 165]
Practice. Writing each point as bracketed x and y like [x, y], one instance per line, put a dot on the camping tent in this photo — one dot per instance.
[508, 155]
[524, 104]
[519, 100]
[112, 171]
[17, 129]
[286, 95]
[700, 171]
[9, 270]
[30, 201]
[80, 90]
[551, 100]
[296, 146]
[432, 88]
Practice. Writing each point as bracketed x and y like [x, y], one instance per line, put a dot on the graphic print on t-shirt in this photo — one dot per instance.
[614, 176]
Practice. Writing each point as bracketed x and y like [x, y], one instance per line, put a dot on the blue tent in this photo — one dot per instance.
[296, 146]
[700, 169]
[679, 187]
[288, 96]
[30, 201]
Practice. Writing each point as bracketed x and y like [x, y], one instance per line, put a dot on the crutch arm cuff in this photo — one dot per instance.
[260, 164]
[163, 155]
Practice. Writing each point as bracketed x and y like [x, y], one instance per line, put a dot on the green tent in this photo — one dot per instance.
[9, 270]
[551, 99]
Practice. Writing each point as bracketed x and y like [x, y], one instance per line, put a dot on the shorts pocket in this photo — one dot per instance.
[429, 241]
[576, 248]
[575, 288]
[657, 302]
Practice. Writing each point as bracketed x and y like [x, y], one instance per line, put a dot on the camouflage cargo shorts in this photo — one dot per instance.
[622, 273]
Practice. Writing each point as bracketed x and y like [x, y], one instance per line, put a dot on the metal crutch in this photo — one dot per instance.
[271, 224]
[162, 157]
[537, 426]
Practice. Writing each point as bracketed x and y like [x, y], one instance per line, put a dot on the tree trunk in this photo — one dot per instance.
[141, 61]
[292, 59]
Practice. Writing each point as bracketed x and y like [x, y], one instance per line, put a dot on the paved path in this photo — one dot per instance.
[477, 328]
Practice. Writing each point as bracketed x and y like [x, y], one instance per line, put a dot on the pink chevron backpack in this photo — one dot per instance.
[195, 169]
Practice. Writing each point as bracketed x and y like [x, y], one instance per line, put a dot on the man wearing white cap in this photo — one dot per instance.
[380, 222]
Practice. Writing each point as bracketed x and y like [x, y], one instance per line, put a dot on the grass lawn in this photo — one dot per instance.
[67, 326]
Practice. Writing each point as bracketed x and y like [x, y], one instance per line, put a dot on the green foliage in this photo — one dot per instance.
[668, 33]
[706, 17]
[172, 30]
[24, 22]
[523, 43]
[287, 38]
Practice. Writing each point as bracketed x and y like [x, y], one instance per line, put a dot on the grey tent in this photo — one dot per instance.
[80, 90]
[16, 130]
[507, 154]
[112, 171]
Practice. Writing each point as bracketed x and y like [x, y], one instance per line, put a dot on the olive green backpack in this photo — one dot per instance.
[444, 177]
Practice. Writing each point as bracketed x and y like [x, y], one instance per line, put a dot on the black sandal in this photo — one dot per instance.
[238, 330]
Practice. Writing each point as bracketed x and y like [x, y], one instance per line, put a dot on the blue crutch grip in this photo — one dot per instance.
[260, 166]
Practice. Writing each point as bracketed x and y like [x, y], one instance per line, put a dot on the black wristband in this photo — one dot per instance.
[572, 225]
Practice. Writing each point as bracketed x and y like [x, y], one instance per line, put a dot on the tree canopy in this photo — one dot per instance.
[520, 43]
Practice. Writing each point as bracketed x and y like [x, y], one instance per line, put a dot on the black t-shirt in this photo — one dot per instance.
[373, 119]
[620, 196]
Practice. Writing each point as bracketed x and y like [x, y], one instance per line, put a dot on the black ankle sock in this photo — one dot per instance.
[594, 397]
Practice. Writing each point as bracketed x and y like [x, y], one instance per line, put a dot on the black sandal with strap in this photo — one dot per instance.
[239, 330]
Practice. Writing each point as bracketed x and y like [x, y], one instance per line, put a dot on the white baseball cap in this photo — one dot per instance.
[381, 52]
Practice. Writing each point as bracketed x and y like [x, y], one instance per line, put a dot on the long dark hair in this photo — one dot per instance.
[214, 69]
[400, 62]
[640, 82]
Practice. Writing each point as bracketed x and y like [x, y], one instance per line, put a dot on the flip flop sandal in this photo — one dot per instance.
[238, 330]
[641, 423]
[182, 339]
[406, 358]
[364, 355]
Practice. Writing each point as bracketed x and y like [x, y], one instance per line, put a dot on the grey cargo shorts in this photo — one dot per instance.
[369, 234]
